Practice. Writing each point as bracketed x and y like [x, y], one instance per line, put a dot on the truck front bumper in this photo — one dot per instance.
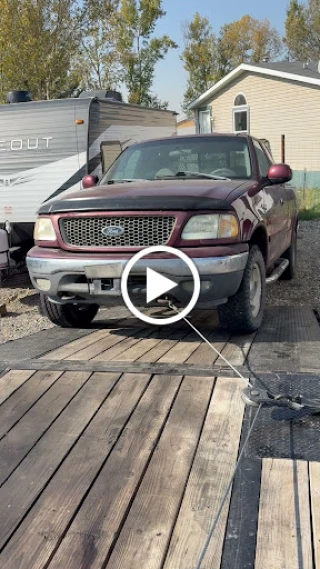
[91, 280]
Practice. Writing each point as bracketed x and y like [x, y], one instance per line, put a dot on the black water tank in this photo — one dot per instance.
[18, 97]
[102, 94]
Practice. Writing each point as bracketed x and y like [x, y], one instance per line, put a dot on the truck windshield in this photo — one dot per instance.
[182, 158]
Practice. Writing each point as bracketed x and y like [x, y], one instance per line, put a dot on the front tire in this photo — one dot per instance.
[68, 315]
[243, 313]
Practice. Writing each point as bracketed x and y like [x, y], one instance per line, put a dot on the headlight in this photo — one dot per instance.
[212, 226]
[43, 230]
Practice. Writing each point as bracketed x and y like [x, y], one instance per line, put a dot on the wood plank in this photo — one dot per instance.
[75, 346]
[284, 533]
[182, 350]
[120, 348]
[138, 367]
[145, 535]
[138, 350]
[211, 471]
[11, 381]
[159, 350]
[40, 532]
[101, 346]
[237, 349]
[24, 398]
[95, 520]
[314, 474]
[20, 440]
[204, 355]
[24, 485]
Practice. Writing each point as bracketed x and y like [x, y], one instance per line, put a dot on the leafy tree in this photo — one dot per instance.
[200, 58]
[38, 40]
[139, 50]
[98, 60]
[247, 41]
[303, 30]
[297, 33]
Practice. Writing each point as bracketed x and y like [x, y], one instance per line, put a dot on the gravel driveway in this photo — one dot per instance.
[24, 319]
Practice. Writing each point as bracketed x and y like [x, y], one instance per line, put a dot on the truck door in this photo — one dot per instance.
[274, 206]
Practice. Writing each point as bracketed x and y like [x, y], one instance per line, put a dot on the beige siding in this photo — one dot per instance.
[276, 107]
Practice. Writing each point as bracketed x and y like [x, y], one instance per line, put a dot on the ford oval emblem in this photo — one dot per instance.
[112, 231]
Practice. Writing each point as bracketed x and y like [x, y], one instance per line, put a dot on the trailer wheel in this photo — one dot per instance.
[243, 313]
[68, 315]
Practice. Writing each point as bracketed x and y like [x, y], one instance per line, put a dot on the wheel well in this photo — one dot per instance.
[259, 237]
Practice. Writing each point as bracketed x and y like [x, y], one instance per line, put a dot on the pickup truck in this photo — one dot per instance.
[219, 198]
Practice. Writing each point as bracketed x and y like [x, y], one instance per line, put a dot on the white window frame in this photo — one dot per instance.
[205, 112]
[240, 109]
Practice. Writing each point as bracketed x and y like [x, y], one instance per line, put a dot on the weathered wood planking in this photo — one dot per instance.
[162, 348]
[22, 488]
[26, 396]
[11, 381]
[96, 524]
[284, 533]
[210, 474]
[93, 351]
[236, 350]
[145, 535]
[37, 537]
[76, 346]
[32, 426]
[314, 475]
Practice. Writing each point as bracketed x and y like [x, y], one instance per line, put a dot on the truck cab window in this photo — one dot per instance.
[263, 160]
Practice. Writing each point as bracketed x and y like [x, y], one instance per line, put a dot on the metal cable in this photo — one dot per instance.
[237, 372]
[225, 496]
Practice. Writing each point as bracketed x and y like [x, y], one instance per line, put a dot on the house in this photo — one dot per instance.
[186, 126]
[279, 102]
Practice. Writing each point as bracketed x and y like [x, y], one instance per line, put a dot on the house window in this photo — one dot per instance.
[240, 114]
[204, 121]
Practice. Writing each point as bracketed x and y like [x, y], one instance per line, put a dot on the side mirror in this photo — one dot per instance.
[279, 174]
[89, 181]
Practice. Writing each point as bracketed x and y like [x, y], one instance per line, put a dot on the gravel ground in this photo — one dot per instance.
[24, 319]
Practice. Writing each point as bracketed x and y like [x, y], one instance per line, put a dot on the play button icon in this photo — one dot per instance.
[158, 284]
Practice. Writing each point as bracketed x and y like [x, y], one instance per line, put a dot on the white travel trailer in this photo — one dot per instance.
[46, 147]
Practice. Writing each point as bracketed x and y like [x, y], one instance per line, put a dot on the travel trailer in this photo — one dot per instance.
[46, 147]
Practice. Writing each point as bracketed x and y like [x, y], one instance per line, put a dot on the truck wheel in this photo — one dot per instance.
[68, 315]
[291, 255]
[243, 313]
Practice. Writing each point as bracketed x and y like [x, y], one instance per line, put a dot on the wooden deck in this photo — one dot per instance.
[117, 444]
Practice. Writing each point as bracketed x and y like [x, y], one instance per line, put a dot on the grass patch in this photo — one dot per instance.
[309, 203]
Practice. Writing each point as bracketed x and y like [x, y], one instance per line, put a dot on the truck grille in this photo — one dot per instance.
[135, 231]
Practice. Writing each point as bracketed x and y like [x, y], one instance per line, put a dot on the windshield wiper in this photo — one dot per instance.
[199, 175]
[125, 180]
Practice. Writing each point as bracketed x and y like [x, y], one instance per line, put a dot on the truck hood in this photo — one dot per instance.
[180, 195]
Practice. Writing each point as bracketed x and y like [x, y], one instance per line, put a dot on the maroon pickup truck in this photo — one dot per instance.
[218, 198]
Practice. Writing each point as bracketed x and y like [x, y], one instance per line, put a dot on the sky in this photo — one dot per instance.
[170, 80]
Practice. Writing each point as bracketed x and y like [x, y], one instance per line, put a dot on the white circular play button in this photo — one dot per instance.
[158, 285]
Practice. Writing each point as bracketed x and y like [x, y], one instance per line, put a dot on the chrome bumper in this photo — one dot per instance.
[64, 274]
[45, 268]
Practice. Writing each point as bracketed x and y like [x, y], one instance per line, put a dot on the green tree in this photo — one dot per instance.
[139, 51]
[38, 39]
[247, 41]
[98, 60]
[296, 31]
[200, 58]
